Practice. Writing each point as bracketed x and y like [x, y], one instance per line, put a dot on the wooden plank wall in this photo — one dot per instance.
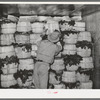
[93, 25]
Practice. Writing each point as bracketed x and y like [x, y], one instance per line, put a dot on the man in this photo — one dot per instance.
[45, 56]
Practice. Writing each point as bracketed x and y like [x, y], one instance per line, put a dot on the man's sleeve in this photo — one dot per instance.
[38, 43]
[58, 48]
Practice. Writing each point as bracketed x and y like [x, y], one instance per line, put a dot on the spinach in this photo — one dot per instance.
[69, 32]
[9, 60]
[83, 44]
[38, 21]
[71, 23]
[70, 85]
[27, 46]
[72, 59]
[23, 74]
[62, 22]
[4, 21]
[85, 71]
[25, 33]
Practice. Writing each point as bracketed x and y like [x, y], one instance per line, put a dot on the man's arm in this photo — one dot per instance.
[38, 43]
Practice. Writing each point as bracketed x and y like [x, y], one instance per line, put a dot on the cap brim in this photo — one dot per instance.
[52, 40]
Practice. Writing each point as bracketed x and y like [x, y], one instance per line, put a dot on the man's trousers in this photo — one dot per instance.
[41, 75]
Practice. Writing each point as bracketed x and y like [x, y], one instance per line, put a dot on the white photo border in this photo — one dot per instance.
[49, 93]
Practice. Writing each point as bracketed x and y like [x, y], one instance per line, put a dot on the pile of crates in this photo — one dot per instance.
[72, 67]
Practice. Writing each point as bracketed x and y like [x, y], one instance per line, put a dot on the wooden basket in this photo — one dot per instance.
[51, 26]
[82, 77]
[21, 52]
[8, 25]
[86, 63]
[27, 64]
[37, 27]
[35, 38]
[69, 49]
[9, 70]
[72, 67]
[5, 78]
[21, 38]
[7, 84]
[71, 39]
[6, 51]
[84, 36]
[84, 52]
[86, 85]
[7, 39]
[8, 30]
[69, 77]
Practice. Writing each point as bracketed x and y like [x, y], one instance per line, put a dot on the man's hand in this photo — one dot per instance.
[59, 48]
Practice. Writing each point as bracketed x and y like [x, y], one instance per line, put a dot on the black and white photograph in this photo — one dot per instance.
[49, 46]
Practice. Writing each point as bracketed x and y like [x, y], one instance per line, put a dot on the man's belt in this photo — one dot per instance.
[40, 60]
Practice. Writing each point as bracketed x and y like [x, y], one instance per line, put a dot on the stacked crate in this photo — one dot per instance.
[23, 52]
[57, 67]
[55, 73]
[69, 53]
[84, 47]
[73, 65]
[8, 59]
[38, 29]
[76, 52]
